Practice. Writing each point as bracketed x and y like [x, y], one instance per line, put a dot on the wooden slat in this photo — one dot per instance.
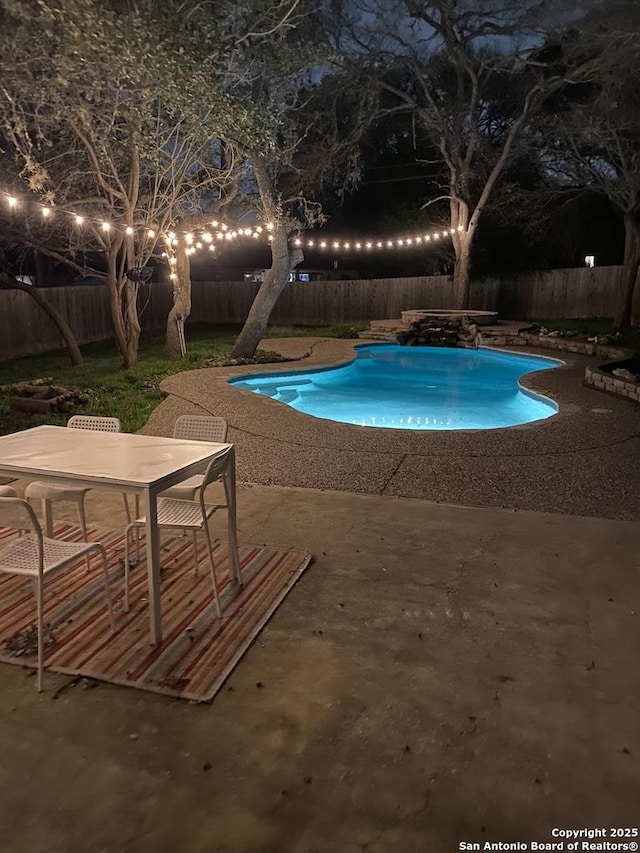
[545, 295]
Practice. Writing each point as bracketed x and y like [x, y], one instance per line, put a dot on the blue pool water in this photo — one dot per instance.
[397, 387]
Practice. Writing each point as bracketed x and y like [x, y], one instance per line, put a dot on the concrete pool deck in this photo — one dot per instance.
[583, 461]
[440, 674]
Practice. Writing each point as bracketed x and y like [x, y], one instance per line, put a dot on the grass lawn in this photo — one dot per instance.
[131, 395]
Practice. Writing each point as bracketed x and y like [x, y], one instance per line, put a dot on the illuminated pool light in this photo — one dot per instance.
[388, 386]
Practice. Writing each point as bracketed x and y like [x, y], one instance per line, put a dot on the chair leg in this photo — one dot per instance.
[40, 610]
[194, 540]
[83, 526]
[212, 567]
[126, 569]
[137, 529]
[126, 508]
[105, 571]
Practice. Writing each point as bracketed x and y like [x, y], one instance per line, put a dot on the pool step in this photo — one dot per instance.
[386, 330]
[383, 330]
[377, 336]
[286, 395]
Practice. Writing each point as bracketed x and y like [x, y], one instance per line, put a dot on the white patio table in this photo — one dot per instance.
[126, 462]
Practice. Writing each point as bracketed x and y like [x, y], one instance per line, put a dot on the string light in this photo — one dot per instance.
[226, 233]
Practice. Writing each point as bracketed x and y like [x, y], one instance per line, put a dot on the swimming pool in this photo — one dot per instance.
[418, 388]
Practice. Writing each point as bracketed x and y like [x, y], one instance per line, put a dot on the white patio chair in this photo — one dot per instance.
[34, 555]
[195, 428]
[185, 515]
[50, 491]
[8, 492]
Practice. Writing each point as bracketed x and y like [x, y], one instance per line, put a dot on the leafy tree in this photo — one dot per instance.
[463, 70]
[312, 119]
[110, 118]
[591, 138]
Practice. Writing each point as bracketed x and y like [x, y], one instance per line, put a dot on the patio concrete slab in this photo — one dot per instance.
[440, 674]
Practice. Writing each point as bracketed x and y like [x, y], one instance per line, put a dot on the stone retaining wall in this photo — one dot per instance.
[594, 377]
[603, 381]
[520, 339]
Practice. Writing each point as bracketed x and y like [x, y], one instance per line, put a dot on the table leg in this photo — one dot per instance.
[47, 520]
[232, 535]
[153, 566]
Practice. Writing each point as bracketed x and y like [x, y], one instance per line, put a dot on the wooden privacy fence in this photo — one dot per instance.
[550, 294]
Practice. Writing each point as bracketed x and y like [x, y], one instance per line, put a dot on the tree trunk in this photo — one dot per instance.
[123, 301]
[75, 356]
[462, 242]
[631, 271]
[282, 262]
[174, 340]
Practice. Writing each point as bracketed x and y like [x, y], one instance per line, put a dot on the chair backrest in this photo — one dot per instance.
[200, 428]
[94, 422]
[19, 514]
[215, 468]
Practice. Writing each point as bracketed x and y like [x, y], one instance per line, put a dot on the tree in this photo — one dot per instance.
[591, 138]
[463, 70]
[10, 282]
[112, 126]
[313, 119]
